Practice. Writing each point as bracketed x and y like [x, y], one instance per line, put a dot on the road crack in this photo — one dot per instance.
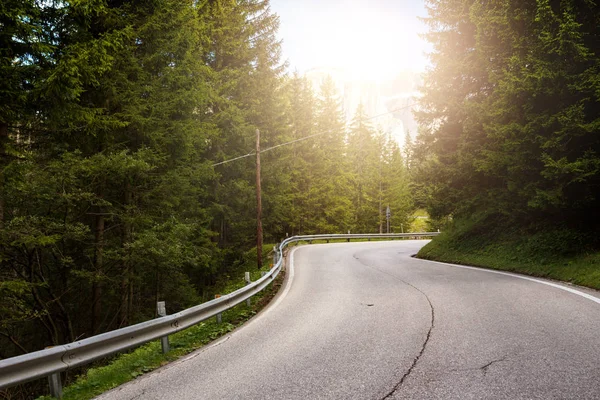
[487, 366]
[418, 357]
[483, 369]
[427, 337]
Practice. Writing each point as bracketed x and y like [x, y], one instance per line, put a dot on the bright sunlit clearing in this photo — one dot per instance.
[366, 41]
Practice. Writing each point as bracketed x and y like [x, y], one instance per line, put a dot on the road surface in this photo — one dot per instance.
[368, 321]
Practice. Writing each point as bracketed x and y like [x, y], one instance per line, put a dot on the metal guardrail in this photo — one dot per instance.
[49, 362]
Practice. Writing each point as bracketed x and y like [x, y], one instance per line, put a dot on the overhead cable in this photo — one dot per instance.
[303, 138]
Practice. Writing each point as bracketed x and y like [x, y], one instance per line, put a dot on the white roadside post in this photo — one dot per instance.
[248, 281]
[219, 315]
[161, 310]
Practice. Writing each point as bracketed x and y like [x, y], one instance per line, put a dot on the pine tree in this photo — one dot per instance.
[510, 111]
[301, 113]
[328, 195]
[396, 185]
[364, 154]
[244, 53]
[114, 183]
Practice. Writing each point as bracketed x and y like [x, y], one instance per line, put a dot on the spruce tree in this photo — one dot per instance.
[301, 113]
[364, 154]
[329, 207]
[509, 111]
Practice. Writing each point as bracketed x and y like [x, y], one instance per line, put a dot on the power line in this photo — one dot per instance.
[304, 138]
[235, 159]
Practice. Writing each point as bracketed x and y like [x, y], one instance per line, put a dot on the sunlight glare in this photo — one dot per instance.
[367, 44]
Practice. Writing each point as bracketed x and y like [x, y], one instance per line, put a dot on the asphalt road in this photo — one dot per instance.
[367, 321]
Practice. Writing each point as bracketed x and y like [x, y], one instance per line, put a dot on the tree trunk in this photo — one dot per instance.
[98, 271]
[157, 293]
[3, 142]
[66, 325]
[126, 279]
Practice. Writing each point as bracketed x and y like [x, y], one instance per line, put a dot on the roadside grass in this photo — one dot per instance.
[125, 367]
[560, 254]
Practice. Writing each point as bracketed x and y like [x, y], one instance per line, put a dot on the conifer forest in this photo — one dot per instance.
[116, 118]
[128, 131]
[510, 112]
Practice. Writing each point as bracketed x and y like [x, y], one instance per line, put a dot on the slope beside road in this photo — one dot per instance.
[368, 321]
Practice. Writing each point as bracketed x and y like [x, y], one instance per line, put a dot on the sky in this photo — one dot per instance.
[367, 39]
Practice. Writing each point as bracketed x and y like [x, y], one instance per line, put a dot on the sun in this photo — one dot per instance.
[368, 44]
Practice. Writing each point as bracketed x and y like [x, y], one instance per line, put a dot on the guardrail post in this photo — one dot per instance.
[248, 281]
[219, 315]
[55, 385]
[274, 256]
[161, 310]
[263, 273]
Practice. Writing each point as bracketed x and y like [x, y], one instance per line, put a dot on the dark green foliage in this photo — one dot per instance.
[108, 126]
[510, 113]
[112, 117]
[103, 189]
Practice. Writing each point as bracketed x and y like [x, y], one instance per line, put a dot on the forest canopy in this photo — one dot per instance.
[114, 120]
[124, 125]
[510, 113]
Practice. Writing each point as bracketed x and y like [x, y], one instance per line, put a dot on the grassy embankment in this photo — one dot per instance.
[126, 367]
[563, 254]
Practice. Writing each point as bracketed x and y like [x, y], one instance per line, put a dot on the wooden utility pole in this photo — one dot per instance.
[259, 230]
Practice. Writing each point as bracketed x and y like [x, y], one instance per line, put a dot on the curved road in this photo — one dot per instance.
[367, 321]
